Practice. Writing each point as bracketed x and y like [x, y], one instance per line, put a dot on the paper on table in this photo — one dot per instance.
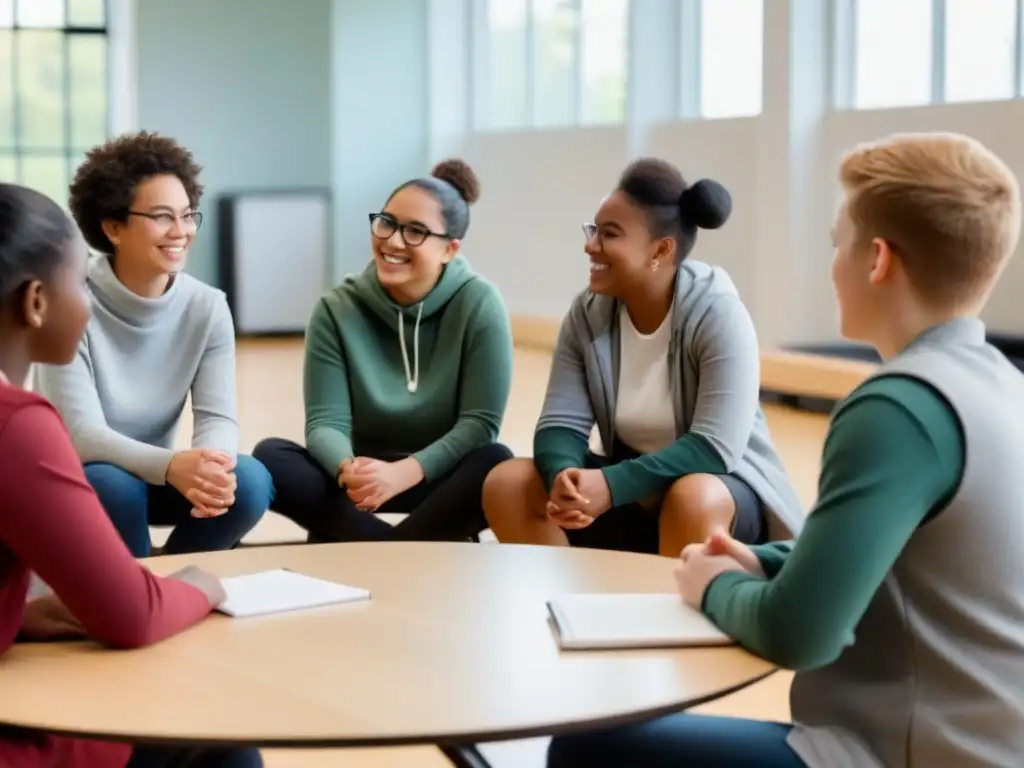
[278, 591]
[595, 621]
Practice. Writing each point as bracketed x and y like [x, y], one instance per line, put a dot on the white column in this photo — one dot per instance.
[794, 204]
[450, 31]
[654, 69]
[122, 68]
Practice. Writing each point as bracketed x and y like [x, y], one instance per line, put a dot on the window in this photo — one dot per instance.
[980, 47]
[605, 30]
[552, 63]
[555, 27]
[893, 53]
[731, 52]
[53, 89]
[508, 89]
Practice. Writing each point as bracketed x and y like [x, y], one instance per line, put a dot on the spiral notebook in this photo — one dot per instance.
[278, 591]
[595, 621]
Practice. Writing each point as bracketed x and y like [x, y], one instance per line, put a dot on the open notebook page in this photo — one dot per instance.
[594, 621]
[278, 591]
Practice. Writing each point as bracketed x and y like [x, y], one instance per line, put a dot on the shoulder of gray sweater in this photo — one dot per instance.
[195, 296]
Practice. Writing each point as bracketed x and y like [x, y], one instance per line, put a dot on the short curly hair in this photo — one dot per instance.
[105, 184]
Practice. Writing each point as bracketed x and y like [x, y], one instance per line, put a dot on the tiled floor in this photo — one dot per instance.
[270, 403]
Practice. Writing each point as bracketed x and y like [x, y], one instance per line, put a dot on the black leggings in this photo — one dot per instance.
[153, 756]
[447, 509]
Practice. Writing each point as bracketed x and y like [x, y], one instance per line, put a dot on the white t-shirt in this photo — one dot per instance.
[644, 416]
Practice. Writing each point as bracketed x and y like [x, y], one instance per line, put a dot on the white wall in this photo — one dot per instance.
[538, 186]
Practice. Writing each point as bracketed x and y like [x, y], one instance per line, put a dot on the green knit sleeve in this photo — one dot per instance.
[893, 456]
[326, 393]
[485, 383]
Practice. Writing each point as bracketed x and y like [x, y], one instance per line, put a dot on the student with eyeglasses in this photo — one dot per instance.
[157, 335]
[407, 375]
[660, 354]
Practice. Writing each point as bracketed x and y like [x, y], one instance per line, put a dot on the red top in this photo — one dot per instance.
[51, 522]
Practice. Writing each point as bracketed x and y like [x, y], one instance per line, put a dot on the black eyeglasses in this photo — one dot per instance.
[164, 220]
[383, 226]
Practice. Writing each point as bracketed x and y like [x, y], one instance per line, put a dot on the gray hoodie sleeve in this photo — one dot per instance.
[72, 391]
[214, 406]
[567, 400]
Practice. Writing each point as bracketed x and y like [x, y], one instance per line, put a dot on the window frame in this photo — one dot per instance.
[844, 59]
[479, 77]
[67, 150]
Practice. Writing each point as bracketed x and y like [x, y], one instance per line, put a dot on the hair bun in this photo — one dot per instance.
[458, 173]
[707, 204]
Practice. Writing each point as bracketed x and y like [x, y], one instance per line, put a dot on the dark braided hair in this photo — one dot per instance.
[33, 233]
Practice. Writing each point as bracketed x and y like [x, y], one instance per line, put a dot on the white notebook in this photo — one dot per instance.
[278, 591]
[593, 621]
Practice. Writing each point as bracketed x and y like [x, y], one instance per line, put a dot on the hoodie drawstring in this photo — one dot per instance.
[412, 378]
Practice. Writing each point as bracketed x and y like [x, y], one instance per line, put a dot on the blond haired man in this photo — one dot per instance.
[901, 605]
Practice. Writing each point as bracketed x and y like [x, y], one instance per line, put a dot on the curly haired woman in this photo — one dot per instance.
[156, 335]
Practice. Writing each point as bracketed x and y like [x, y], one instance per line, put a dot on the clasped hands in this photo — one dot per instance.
[206, 478]
[700, 564]
[371, 483]
[578, 497]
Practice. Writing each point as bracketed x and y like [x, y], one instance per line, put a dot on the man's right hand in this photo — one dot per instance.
[206, 582]
[721, 543]
[205, 477]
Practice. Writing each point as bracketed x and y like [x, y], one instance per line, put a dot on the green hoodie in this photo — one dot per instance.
[385, 381]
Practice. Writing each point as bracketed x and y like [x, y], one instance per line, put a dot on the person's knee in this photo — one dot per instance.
[487, 457]
[268, 451]
[515, 480]
[255, 489]
[121, 493]
[698, 501]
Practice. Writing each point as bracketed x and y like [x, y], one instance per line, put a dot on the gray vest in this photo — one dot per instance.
[935, 677]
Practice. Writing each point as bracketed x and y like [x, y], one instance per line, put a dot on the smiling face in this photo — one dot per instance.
[159, 230]
[622, 252]
[409, 272]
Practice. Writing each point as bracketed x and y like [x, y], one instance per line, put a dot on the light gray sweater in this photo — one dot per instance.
[123, 394]
[715, 378]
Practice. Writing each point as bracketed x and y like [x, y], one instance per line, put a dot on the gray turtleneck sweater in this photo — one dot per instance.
[123, 394]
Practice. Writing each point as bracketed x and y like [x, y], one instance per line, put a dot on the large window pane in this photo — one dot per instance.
[6, 89]
[6, 13]
[555, 28]
[894, 53]
[87, 13]
[41, 88]
[605, 60]
[87, 55]
[731, 51]
[980, 41]
[506, 64]
[47, 174]
[8, 169]
[40, 13]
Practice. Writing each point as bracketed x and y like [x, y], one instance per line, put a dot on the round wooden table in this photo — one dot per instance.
[454, 648]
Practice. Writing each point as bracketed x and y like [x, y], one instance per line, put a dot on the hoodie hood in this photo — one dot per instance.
[366, 290]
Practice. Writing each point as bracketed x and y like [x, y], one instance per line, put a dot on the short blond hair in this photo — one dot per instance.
[947, 205]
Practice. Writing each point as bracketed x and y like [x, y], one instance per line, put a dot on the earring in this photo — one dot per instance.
[654, 265]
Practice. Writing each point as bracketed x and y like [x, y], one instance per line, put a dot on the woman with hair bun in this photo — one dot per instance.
[407, 375]
[660, 353]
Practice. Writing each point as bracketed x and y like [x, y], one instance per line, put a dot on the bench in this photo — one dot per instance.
[818, 377]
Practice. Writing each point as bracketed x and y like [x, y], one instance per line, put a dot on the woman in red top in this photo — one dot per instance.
[51, 521]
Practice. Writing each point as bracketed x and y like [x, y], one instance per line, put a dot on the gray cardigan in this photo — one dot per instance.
[715, 380]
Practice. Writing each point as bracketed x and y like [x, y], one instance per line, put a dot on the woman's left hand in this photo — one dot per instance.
[371, 483]
[47, 618]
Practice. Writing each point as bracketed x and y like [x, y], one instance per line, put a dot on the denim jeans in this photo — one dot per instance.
[679, 741]
[133, 505]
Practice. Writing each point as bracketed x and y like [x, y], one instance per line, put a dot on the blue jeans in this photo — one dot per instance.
[133, 505]
[679, 741]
